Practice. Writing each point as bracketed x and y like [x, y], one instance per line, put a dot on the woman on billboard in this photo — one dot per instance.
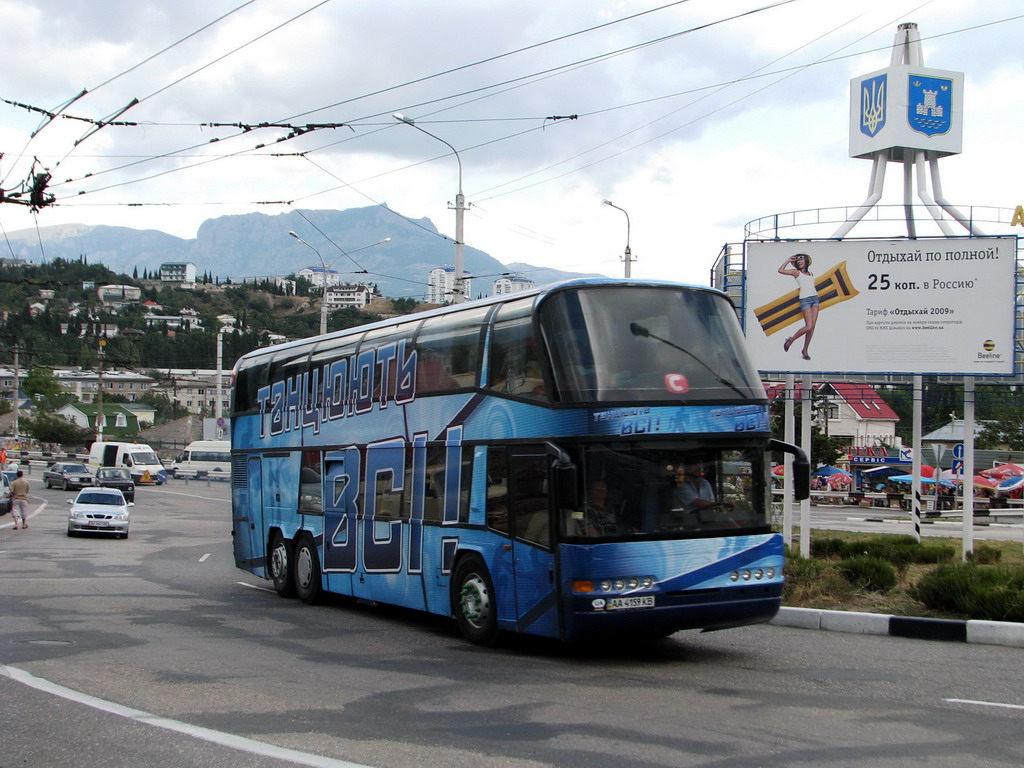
[798, 266]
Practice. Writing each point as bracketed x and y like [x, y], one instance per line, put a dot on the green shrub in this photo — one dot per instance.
[974, 591]
[827, 547]
[814, 581]
[871, 573]
[985, 555]
[935, 553]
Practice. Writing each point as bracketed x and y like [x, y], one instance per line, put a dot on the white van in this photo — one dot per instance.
[140, 459]
[211, 457]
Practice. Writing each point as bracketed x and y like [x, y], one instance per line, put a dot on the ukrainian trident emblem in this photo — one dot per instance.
[872, 100]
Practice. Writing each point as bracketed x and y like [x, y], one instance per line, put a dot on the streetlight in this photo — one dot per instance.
[323, 302]
[323, 296]
[458, 295]
[628, 257]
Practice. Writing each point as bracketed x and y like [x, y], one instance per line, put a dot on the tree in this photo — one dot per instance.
[164, 407]
[44, 388]
[48, 428]
[1007, 430]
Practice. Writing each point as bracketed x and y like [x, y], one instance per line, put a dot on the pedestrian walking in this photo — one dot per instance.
[19, 500]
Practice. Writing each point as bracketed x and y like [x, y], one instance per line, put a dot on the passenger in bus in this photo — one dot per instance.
[601, 514]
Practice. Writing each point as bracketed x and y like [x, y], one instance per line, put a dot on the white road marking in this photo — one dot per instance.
[985, 703]
[182, 493]
[205, 557]
[255, 586]
[206, 734]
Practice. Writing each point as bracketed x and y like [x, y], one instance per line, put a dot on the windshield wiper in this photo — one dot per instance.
[642, 331]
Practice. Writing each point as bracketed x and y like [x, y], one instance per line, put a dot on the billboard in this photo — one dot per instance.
[926, 306]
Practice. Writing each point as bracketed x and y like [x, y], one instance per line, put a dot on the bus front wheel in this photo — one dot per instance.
[308, 583]
[476, 611]
[281, 566]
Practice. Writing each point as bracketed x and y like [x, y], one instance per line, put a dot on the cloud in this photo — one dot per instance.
[673, 132]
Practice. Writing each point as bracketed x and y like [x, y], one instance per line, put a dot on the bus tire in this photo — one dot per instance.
[280, 565]
[473, 602]
[308, 582]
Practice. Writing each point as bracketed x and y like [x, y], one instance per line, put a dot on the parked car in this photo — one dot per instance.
[117, 477]
[99, 510]
[5, 495]
[68, 476]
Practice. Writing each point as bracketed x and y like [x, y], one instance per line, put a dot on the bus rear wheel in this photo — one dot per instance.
[281, 566]
[476, 611]
[308, 584]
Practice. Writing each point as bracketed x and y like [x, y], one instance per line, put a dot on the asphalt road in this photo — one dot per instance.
[156, 651]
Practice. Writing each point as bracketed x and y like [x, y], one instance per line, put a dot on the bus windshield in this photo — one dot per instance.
[639, 344]
[680, 488]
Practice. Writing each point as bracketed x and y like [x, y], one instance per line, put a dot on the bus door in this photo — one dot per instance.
[533, 556]
[248, 544]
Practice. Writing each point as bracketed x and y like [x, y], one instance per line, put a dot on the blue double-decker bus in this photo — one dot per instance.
[587, 458]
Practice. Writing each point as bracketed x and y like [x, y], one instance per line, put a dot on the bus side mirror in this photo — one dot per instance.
[801, 468]
[801, 478]
[566, 493]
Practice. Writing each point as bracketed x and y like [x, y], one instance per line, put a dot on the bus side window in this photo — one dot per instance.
[310, 494]
[448, 350]
[514, 364]
[497, 489]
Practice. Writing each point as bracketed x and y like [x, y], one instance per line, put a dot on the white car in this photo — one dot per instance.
[99, 510]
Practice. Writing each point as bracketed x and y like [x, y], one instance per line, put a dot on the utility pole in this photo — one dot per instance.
[17, 390]
[99, 395]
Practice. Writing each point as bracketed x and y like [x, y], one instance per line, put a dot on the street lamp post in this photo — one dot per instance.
[323, 302]
[323, 295]
[628, 256]
[458, 294]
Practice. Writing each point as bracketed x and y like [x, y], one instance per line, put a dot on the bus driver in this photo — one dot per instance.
[692, 491]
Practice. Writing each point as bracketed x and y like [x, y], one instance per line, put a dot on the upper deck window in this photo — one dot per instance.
[646, 344]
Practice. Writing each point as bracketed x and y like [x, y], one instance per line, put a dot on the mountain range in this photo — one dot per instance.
[257, 245]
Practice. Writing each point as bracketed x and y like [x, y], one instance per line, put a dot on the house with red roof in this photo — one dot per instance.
[852, 410]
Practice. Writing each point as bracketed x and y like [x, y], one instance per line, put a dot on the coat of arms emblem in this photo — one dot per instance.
[929, 104]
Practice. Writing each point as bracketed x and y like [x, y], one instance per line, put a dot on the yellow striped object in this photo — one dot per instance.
[833, 287]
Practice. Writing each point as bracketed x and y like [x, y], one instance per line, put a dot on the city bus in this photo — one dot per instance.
[587, 458]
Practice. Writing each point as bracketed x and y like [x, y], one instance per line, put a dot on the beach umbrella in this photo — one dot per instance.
[1003, 471]
[985, 482]
[827, 471]
[1011, 483]
[838, 480]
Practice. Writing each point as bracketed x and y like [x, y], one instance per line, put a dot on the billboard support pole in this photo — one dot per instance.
[967, 474]
[787, 477]
[805, 443]
[915, 471]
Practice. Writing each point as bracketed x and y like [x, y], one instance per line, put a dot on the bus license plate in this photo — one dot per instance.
[627, 603]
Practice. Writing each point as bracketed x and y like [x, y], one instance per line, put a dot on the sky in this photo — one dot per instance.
[693, 117]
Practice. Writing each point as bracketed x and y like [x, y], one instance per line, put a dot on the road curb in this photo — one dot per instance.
[1007, 633]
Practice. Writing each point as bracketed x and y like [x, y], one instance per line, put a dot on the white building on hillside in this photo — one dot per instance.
[179, 272]
[118, 294]
[441, 285]
[513, 283]
[348, 295]
[320, 277]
